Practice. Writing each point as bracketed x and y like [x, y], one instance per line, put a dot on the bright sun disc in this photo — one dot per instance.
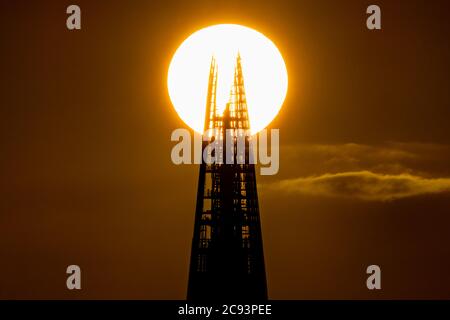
[264, 71]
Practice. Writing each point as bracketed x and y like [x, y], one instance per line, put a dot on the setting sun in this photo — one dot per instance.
[264, 71]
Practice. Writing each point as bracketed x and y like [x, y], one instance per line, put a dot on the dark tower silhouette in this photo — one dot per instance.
[227, 260]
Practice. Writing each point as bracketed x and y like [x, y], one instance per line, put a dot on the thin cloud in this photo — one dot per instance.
[364, 185]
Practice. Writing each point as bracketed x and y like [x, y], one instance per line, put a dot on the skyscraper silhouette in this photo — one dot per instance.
[227, 260]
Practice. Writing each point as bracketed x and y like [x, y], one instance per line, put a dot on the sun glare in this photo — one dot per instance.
[264, 71]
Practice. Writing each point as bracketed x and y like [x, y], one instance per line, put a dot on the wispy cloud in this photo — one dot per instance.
[364, 185]
[388, 158]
